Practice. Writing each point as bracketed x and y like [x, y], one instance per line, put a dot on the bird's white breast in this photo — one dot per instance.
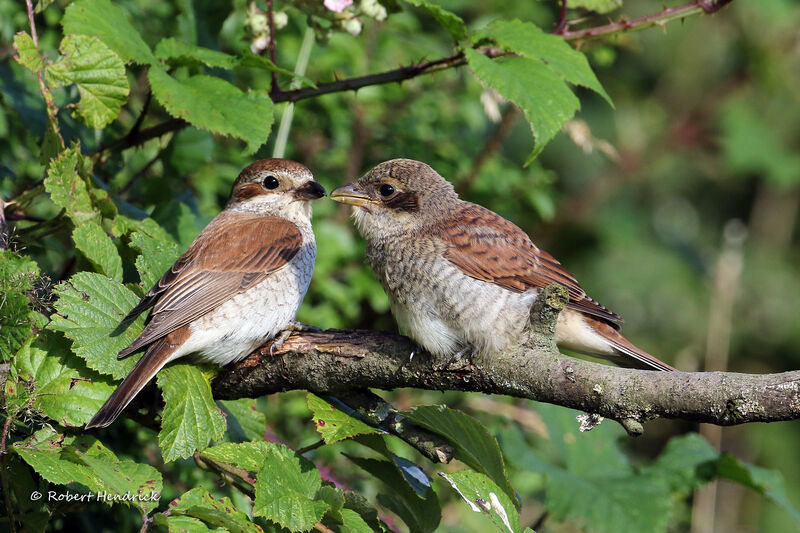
[448, 310]
[250, 318]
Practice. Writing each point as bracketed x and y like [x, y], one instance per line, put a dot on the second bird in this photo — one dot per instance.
[461, 278]
[238, 285]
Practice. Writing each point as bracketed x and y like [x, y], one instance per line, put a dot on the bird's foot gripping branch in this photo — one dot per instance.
[335, 361]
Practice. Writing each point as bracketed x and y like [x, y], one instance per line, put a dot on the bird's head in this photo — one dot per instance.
[278, 187]
[400, 195]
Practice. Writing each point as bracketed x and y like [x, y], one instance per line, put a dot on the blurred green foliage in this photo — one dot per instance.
[694, 170]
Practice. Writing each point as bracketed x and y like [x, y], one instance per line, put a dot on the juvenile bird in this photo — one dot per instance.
[238, 285]
[461, 278]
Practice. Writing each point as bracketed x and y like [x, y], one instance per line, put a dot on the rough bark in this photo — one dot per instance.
[336, 362]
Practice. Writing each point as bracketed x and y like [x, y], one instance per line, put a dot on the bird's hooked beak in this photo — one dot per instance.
[349, 195]
[310, 190]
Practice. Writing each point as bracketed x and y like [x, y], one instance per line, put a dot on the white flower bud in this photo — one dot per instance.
[280, 19]
[373, 9]
[260, 44]
[257, 23]
[352, 26]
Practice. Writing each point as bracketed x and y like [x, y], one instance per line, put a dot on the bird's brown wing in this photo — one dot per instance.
[235, 252]
[485, 246]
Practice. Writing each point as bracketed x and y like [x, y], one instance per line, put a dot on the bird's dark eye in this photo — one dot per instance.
[386, 190]
[271, 182]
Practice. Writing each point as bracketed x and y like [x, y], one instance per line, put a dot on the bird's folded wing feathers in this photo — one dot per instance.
[485, 246]
[233, 253]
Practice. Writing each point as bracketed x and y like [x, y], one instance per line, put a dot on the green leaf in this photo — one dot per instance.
[474, 445]
[17, 278]
[183, 524]
[245, 116]
[247, 455]
[27, 54]
[57, 382]
[99, 74]
[90, 307]
[198, 503]
[334, 424]
[355, 501]
[34, 515]
[180, 53]
[598, 6]
[413, 475]
[68, 188]
[65, 460]
[245, 421]
[483, 495]
[535, 88]
[589, 481]
[768, 483]
[687, 463]
[191, 418]
[450, 21]
[530, 41]
[103, 19]
[353, 523]
[285, 490]
[99, 249]
[420, 514]
[617, 504]
[158, 253]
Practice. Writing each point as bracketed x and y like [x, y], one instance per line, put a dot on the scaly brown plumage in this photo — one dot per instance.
[462, 277]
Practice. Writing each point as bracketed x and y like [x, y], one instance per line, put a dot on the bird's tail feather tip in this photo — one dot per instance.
[151, 362]
[642, 359]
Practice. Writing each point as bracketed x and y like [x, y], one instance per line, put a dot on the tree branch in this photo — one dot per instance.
[659, 19]
[428, 67]
[336, 361]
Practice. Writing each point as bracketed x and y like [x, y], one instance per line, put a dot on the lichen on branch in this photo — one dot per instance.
[337, 361]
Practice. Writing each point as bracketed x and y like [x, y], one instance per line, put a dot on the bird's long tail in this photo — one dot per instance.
[631, 355]
[593, 336]
[154, 359]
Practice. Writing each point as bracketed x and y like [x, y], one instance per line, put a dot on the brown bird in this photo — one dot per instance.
[238, 285]
[461, 278]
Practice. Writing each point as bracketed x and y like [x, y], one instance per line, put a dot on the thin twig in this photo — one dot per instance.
[656, 19]
[35, 37]
[371, 409]
[311, 447]
[271, 45]
[562, 19]
[3, 226]
[282, 137]
[231, 474]
[52, 110]
[390, 76]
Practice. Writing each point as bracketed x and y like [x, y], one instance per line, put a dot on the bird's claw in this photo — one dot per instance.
[457, 356]
[291, 328]
[299, 327]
